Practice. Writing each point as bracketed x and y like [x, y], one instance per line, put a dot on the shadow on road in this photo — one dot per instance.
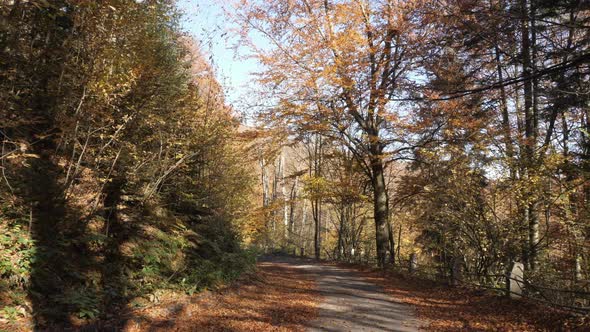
[349, 302]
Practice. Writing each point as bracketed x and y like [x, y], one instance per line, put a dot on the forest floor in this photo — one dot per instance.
[280, 296]
[293, 294]
[356, 298]
[287, 294]
[440, 307]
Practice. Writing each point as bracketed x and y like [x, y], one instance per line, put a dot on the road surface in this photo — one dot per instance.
[351, 303]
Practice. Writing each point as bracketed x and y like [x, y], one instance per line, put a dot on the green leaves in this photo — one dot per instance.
[16, 254]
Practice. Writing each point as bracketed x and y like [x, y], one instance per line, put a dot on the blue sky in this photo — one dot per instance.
[206, 22]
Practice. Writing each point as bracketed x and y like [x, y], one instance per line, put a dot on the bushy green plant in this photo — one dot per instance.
[82, 301]
[11, 313]
[17, 252]
[189, 259]
[224, 269]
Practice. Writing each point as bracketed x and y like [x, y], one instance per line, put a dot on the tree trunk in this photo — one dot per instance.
[391, 242]
[292, 206]
[316, 202]
[507, 131]
[285, 198]
[303, 235]
[317, 239]
[381, 209]
[530, 213]
[341, 253]
[399, 244]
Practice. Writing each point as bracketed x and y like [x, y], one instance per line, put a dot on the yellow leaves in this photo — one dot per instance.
[316, 185]
[41, 4]
[23, 155]
[112, 86]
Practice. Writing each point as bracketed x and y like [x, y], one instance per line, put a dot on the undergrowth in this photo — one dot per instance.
[17, 252]
[157, 254]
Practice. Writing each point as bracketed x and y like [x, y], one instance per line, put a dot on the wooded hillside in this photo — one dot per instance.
[122, 171]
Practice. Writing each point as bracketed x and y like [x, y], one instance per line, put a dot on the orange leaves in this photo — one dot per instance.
[278, 298]
[462, 309]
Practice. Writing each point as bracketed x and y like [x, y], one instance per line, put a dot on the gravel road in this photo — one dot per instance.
[351, 303]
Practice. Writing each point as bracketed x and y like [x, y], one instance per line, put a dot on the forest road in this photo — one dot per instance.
[351, 303]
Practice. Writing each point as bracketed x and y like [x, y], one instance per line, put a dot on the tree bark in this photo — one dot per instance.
[391, 242]
[317, 239]
[507, 131]
[381, 209]
[316, 202]
[530, 215]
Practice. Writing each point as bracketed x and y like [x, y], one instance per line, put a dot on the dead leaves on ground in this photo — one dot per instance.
[445, 308]
[278, 298]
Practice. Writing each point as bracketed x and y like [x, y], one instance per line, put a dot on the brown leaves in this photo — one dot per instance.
[277, 298]
[447, 308]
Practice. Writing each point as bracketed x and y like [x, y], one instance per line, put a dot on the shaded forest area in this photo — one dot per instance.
[119, 164]
[448, 136]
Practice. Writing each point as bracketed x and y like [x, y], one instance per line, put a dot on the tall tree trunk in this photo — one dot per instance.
[303, 235]
[391, 242]
[506, 129]
[285, 198]
[530, 212]
[316, 202]
[381, 208]
[265, 197]
[317, 239]
[340, 253]
[399, 244]
[292, 206]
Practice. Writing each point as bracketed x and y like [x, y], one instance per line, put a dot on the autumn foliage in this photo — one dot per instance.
[121, 173]
[447, 137]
